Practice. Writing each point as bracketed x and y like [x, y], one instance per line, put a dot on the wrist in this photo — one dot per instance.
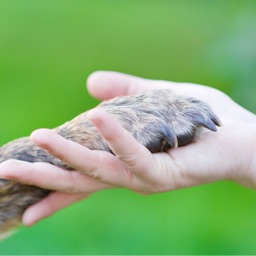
[247, 154]
[252, 166]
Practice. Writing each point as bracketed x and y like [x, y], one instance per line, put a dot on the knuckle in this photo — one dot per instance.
[95, 174]
[70, 186]
[132, 160]
[129, 160]
[97, 171]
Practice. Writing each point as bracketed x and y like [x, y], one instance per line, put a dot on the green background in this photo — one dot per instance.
[49, 47]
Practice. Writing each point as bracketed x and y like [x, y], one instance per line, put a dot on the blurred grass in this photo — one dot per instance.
[49, 47]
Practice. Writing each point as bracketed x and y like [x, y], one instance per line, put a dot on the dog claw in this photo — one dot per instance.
[205, 122]
[216, 120]
[169, 137]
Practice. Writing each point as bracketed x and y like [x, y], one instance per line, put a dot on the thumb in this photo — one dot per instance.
[105, 85]
[133, 155]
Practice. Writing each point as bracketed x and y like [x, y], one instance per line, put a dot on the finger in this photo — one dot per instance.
[108, 84]
[100, 165]
[72, 153]
[105, 85]
[133, 156]
[49, 205]
[49, 177]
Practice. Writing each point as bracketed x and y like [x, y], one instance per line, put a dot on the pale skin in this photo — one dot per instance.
[228, 154]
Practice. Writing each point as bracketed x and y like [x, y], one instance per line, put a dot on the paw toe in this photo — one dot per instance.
[169, 138]
[201, 120]
[215, 119]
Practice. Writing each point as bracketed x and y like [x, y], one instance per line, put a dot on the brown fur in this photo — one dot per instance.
[157, 119]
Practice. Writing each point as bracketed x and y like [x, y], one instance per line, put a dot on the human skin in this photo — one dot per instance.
[228, 154]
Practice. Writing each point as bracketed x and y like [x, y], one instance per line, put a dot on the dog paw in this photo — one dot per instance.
[161, 120]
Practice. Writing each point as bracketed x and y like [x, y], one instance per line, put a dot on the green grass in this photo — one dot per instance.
[49, 47]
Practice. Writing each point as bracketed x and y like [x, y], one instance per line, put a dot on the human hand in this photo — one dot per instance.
[227, 154]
